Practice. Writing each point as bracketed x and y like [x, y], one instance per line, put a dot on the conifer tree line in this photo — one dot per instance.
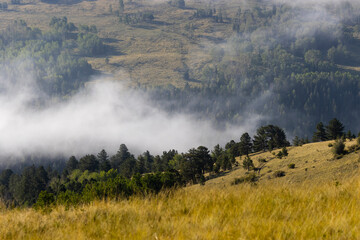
[57, 55]
[334, 130]
[121, 175]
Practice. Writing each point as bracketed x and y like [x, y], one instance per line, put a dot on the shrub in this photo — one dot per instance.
[330, 145]
[44, 199]
[279, 173]
[353, 148]
[251, 178]
[248, 163]
[284, 152]
[338, 147]
[291, 165]
[261, 160]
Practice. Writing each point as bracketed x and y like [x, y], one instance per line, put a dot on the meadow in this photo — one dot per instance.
[322, 207]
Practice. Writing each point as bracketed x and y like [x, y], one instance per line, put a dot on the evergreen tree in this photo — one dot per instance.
[89, 162]
[248, 163]
[245, 144]
[269, 137]
[225, 162]
[149, 161]
[195, 162]
[104, 163]
[349, 135]
[232, 148]
[72, 164]
[140, 165]
[320, 134]
[128, 167]
[120, 157]
[296, 141]
[5, 177]
[335, 129]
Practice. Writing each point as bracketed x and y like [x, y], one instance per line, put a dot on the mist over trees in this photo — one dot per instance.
[48, 57]
[121, 175]
[280, 65]
[277, 64]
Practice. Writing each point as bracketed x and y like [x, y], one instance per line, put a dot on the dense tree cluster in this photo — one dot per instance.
[121, 175]
[272, 68]
[334, 130]
[50, 57]
[135, 18]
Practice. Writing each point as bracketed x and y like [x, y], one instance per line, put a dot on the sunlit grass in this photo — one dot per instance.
[265, 211]
[321, 203]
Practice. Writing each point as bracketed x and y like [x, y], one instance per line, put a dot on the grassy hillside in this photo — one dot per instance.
[314, 162]
[321, 202]
[149, 53]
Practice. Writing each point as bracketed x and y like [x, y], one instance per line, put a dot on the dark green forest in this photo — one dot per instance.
[274, 67]
[122, 175]
[279, 63]
[55, 58]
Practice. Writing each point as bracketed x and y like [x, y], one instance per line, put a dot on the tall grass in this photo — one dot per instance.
[235, 212]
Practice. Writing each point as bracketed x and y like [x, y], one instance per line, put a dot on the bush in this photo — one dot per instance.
[338, 147]
[44, 200]
[291, 165]
[279, 174]
[353, 148]
[330, 145]
[282, 153]
[251, 178]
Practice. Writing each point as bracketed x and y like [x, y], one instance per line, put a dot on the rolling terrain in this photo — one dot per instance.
[153, 54]
[321, 202]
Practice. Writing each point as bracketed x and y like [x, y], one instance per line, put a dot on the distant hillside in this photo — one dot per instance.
[295, 63]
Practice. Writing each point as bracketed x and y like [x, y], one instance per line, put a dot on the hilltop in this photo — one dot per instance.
[314, 163]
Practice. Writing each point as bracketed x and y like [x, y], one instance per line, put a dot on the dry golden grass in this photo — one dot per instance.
[313, 163]
[152, 54]
[272, 209]
[236, 212]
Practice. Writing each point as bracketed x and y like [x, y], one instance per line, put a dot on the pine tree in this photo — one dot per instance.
[89, 162]
[248, 163]
[320, 134]
[104, 163]
[245, 144]
[72, 164]
[296, 141]
[120, 157]
[335, 129]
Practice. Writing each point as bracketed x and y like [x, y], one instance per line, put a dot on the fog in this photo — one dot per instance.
[102, 115]
[106, 113]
